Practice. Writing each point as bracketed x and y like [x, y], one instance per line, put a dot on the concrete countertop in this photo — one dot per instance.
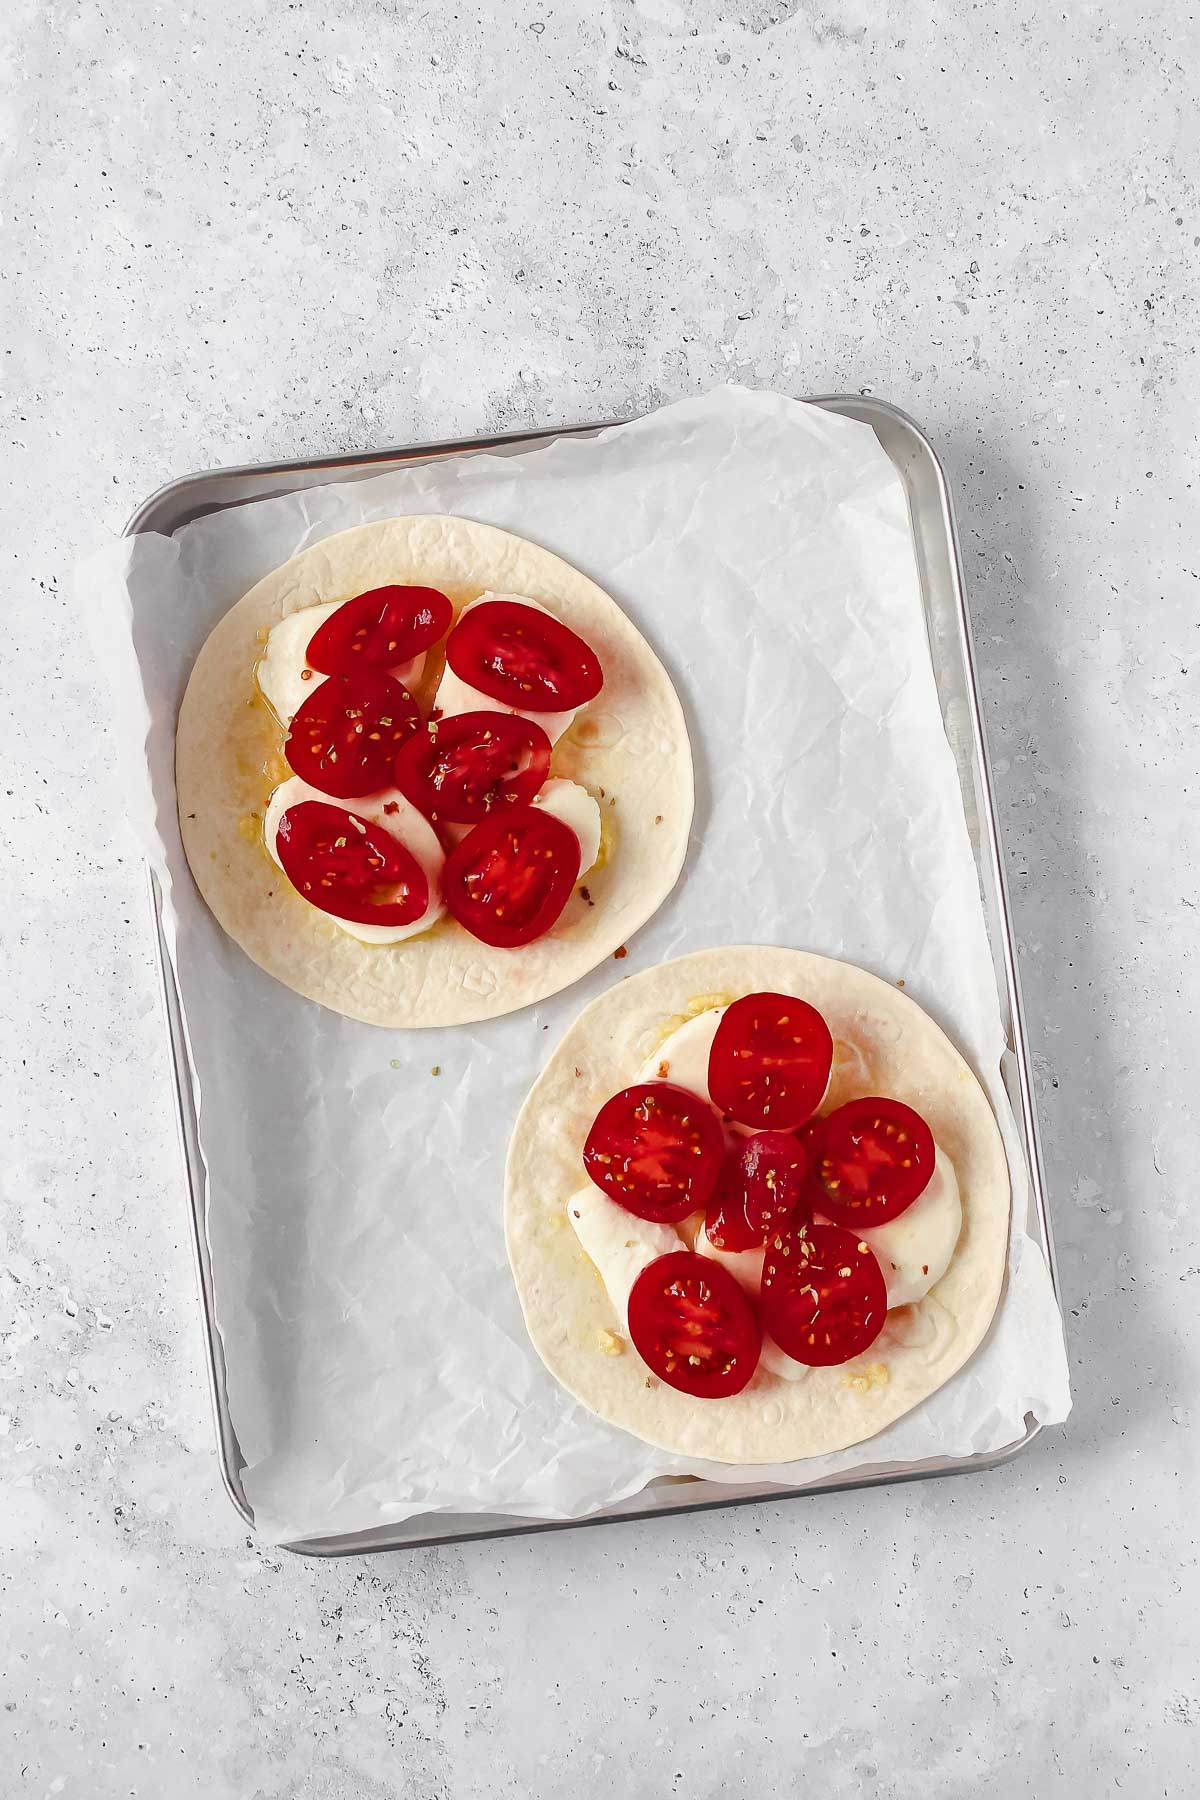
[249, 231]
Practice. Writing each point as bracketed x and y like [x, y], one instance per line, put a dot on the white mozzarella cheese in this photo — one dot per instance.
[576, 808]
[914, 1251]
[620, 1245]
[683, 1057]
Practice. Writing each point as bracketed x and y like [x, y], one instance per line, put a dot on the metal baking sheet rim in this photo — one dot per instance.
[934, 528]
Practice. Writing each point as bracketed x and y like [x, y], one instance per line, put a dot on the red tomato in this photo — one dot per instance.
[873, 1160]
[461, 769]
[511, 876]
[345, 736]
[656, 1150]
[692, 1325]
[379, 630]
[762, 1182]
[823, 1295]
[523, 657]
[770, 1061]
[349, 866]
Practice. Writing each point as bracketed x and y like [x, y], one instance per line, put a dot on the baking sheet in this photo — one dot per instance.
[377, 1363]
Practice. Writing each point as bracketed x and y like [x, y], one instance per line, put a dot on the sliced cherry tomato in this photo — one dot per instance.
[345, 736]
[693, 1326]
[477, 763]
[770, 1061]
[762, 1182]
[510, 877]
[379, 630]
[349, 866]
[524, 657]
[656, 1150]
[873, 1160]
[823, 1295]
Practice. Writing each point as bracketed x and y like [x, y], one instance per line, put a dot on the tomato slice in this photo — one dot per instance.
[656, 1150]
[477, 763]
[762, 1182]
[874, 1158]
[349, 866]
[693, 1326]
[823, 1295]
[379, 630]
[524, 657]
[770, 1061]
[511, 876]
[345, 736]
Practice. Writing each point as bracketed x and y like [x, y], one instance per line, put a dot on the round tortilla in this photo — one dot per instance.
[629, 747]
[884, 1044]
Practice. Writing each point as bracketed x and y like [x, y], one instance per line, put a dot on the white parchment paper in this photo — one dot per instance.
[377, 1361]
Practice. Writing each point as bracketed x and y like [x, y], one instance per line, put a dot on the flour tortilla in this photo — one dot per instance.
[884, 1044]
[631, 741]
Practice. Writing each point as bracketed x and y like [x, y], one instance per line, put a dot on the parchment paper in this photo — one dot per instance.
[377, 1361]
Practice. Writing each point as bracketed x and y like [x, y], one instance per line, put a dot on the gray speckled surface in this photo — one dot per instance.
[253, 230]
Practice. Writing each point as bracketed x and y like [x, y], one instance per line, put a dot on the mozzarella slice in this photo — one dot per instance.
[914, 1251]
[576, 808]
[683, 1057]
[747, 1266]
[455, 696]
[283, 672]
[619, 1245]
[401, 820]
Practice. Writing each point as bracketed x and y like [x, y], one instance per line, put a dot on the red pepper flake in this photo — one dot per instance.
[618, 954]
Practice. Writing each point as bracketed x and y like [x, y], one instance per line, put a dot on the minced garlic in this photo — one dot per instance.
[608, 836]
[699, 1003]
[876, 1375]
